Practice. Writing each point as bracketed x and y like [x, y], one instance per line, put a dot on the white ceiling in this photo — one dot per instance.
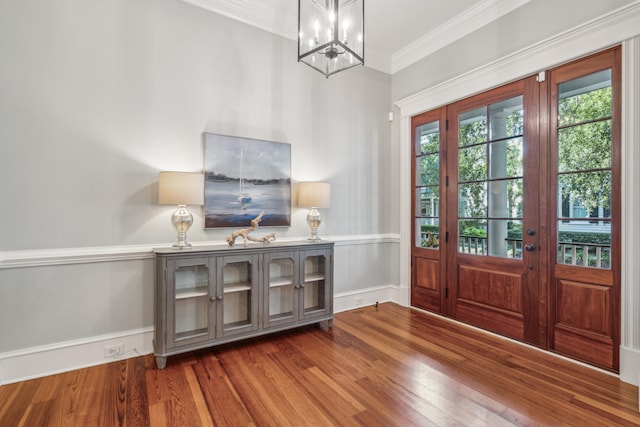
[397, 33]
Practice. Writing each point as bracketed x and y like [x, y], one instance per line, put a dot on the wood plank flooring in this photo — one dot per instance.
[387, 367]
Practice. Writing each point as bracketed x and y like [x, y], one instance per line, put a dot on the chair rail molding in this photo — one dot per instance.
[64, 256]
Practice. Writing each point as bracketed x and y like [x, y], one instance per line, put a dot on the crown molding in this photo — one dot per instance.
[597, 34]
[257, 14]
[481, 14]
[264, 16]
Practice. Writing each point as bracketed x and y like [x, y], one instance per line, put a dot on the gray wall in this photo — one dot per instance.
[96, 97]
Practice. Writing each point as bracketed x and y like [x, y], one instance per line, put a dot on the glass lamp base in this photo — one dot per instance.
[181, 221]
[314, 220]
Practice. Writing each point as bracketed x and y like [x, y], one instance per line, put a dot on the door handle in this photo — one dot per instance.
[530, 247]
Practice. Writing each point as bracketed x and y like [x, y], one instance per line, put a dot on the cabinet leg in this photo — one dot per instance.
[161, 362]
[330, 323]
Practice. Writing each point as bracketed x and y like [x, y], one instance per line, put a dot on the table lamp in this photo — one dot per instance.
[182, 189]
[314, 195]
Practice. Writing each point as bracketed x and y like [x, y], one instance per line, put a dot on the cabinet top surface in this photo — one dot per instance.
[238, 248]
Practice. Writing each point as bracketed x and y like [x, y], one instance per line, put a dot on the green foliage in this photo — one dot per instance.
[582, 237]
[429, 143]
[429, 167]
[514, 231]
[473, 132]
[473, 163]
[585, 106]
[472, 229]
[424, 228]
[585, 147]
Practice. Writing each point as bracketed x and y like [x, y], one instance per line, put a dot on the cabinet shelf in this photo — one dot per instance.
[313, 277]
[280, 281]
[200, 291]
[237, 287]
[191, 334]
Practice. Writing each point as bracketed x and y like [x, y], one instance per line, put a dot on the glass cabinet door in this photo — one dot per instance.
[282, 286]
[316, 295]
[189, 283]
[239, 278]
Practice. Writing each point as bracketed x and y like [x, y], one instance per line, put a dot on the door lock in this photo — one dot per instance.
[530, 247]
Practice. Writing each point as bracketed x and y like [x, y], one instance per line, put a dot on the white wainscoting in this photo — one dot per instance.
[39, 361]
[60, 357]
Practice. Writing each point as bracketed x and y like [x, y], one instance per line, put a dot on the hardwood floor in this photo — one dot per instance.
[388, 367]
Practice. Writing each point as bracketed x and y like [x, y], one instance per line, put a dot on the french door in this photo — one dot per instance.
[516, 210]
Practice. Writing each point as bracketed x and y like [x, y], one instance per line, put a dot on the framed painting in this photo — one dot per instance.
[244, 177]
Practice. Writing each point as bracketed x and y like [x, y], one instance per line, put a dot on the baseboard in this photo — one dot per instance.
[362, 297]
[630, 366]
[66, 356]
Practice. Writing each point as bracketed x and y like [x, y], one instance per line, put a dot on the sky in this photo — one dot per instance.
[262, 159]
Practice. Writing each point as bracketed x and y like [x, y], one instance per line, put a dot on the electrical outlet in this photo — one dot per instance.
[359, 301]
[114, 350]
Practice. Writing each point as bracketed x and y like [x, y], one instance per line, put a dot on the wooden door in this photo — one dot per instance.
[585, 209]
[517, 210]
[428, 290]
[493, 217]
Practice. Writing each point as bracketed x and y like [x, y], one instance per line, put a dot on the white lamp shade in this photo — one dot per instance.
[181, 188]
[314, 194]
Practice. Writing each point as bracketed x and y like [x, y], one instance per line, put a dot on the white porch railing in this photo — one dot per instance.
[569, 253]
[584, 254]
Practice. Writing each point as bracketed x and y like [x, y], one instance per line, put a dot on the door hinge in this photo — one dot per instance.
[446, 292]
[446, 181]
[446, 236]
[446, 124]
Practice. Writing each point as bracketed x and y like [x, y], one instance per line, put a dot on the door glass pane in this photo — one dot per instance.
[429, 232]
[585, 98]
[429, 167]
[584, 171]
[473, 163]
[490, 184]
[506, 118]
[427, 193]
[505, 237]
[509, 206]
[505, 158]
[473, 127]
[585, 243]
[585, 147]
[473, 237]
[428, 202]
[428, 138]
[472, 200]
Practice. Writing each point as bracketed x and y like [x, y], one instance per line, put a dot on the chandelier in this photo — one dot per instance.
[331, 34]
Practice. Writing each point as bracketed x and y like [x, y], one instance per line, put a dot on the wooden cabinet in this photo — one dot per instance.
[213, 295]
[297, 286]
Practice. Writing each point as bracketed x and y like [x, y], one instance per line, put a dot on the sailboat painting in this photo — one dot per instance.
[244, 177]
